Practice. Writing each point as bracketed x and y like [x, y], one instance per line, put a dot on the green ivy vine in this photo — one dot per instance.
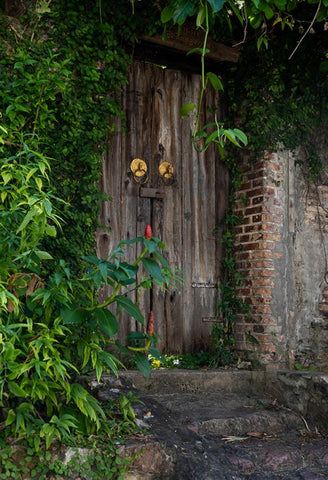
[279, 102]
[63, 66]
[62, 69]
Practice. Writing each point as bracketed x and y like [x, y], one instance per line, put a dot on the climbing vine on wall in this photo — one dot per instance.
[62, 67]
[278, 100]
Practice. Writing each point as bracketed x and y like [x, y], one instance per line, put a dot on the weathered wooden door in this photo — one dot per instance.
[187, 215]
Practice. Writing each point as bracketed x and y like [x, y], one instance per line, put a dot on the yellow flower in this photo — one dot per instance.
[156, 364]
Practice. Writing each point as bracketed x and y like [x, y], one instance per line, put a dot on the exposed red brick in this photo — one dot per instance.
[257, 227]
[242, 239]
[257, 218]
[258, 182]
[258, 265]
[269, 191]
[258, 300]
[271, 217]
[273, 210]
[253, 237]
[259, 319]
[257, 200]
[259, 245]
[254, 192]
[261, 164]
[241, 201]
[260, 310]
[275, 167]
[253, 228]
[245, 186]
[271, 236]
[265, 272]
[258, 329]
[263, 291]
[243, 292]
[253, 255]
[257, 282]
[270, 227]
[260, 233]
[255, 175]
[242, 255]
[254, 210]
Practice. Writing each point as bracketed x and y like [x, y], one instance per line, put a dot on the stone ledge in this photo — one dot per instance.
[304, 392]
[198, 381]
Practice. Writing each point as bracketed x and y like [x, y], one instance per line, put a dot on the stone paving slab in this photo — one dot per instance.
[192, 432]
[228, 414]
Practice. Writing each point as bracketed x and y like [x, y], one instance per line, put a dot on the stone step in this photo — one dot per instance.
[225, 425]
[227, 414]
[198, 381]
[254, 423]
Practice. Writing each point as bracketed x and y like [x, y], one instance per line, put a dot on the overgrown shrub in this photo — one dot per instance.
[52, 327]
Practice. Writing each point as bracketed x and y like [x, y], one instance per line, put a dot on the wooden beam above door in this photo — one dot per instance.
[218, 51]
[180, 42]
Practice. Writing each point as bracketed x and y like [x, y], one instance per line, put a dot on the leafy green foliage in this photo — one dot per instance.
[276, 94]
[61, 73]
[266, 14]
[52, 327]
[280, 102]
[265, 18]
[27, 212]
[230, 305]
[94, 457]
[189, 361]
[220, 355]
[61, 70]
[177, 12]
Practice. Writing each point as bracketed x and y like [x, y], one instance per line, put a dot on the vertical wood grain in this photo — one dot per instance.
[190, 212]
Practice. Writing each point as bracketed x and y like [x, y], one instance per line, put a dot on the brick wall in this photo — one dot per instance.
[260, 201]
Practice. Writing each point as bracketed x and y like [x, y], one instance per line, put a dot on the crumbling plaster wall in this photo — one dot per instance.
[281, 249]
[308, 247]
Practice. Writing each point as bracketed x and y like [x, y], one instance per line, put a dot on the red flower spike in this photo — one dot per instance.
[150, 324]
[148, 232]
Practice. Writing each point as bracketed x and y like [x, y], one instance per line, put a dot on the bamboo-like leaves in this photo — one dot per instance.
[107, 321]
[130, 307]
[153, 268]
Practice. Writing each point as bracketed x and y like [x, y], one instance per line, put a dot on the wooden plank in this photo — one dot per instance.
[140, 109]
[187, 37]
[147, 192]
[164, 146]
[202, 265]
[184, 217]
